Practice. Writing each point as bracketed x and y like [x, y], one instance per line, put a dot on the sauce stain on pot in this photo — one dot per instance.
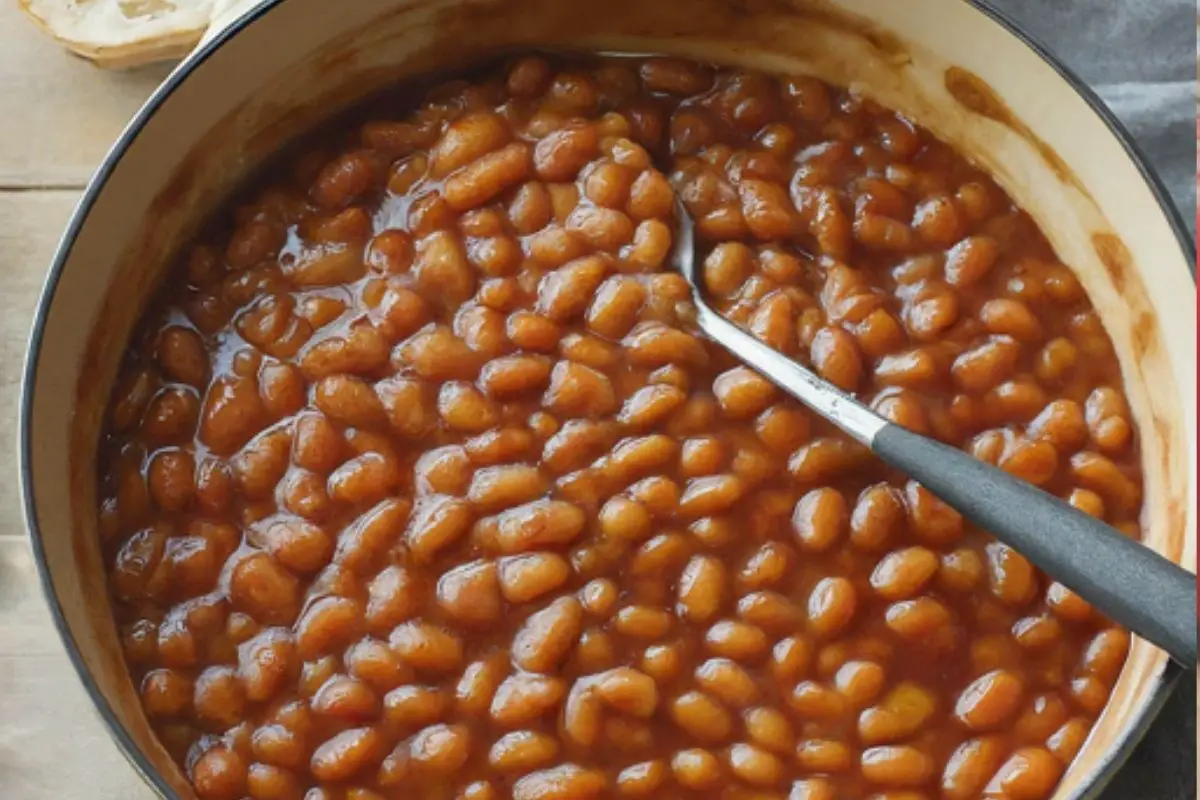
[974, 94]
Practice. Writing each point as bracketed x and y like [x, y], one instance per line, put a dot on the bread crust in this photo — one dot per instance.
[125, 47]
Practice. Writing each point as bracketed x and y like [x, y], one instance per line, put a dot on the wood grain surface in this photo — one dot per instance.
[58, 116]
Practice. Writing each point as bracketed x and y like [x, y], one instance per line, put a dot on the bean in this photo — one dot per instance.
[564, 782]
[990, 701]
[547, 635]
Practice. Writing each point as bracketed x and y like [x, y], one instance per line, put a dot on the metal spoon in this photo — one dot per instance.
[1128, 582]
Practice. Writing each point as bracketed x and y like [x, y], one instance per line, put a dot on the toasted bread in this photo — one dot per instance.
[123, 33]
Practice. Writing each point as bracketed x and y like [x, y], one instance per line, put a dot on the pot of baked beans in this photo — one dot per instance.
[370, 450]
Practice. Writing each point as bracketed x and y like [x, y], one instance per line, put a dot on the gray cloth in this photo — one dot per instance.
[1140, 55]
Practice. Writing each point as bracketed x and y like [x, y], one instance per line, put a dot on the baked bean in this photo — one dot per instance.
[930, 519]
[742, 393]
[1029, 773]
[876, 515]
[528, 577]
[1105, 654]
[327, 624]
[902, 574]
[560, 155]
[825, 459]
[547, 635]
[579, 391]
[736, 640]
[166, 693]
[810, 699]
[813, 789]
[662, 662]
[532, 525]
[961, 571]
[859, 681]
[642, 622]
[1062, 424]
[564, 782]
[271, 783]
[589, 351]
[650, 196]
[773, 324]
[969, 261]
[654, 344]
[1010, 317]
[266, 663]
[754, 765]
[423, 447]
[1032, 461]
[1055, 360]
[522, 752]
[262, 588]
[770, 611]
[969, 768]
[1108, 420]
[523, 698]
[821, 518]
[1013, 579]
[170, 478]
[896, 765]
[989, 702]
[1037, 632]
[346, 699]
[790, 658]
[500, 487]
[650, 406]
[903, 712]
[641, 780]
[346, 753]
[1067, 741]
[219, 774]
[917, 619]
[831, 606]
[982, 367]
[628, 691]
[465, 140]
[425, 647]
[702, 589]
[709, 495]
[835, 355]
[373, 662]
[435, 353]
[1101, 475]
[488, 176]
[824, 755]
[470, 594]
[437, 522]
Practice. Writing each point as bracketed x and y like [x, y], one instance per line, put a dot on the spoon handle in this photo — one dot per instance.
[1126, 581]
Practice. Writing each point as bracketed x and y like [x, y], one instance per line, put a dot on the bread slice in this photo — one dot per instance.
[123, 33]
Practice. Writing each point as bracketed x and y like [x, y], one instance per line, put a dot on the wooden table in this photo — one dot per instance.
[57, 117]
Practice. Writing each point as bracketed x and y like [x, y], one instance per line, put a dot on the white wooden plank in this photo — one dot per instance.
[31, 223]
[58, 113]
[52, 743]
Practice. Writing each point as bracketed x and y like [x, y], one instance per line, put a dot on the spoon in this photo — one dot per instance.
[1126, 581]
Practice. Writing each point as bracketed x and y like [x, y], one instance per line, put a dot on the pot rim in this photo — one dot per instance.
[1157, 697]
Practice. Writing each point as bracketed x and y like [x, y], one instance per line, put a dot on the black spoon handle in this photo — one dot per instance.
[1130, 583]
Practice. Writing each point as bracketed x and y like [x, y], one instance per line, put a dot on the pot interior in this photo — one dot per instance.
[943, 63]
